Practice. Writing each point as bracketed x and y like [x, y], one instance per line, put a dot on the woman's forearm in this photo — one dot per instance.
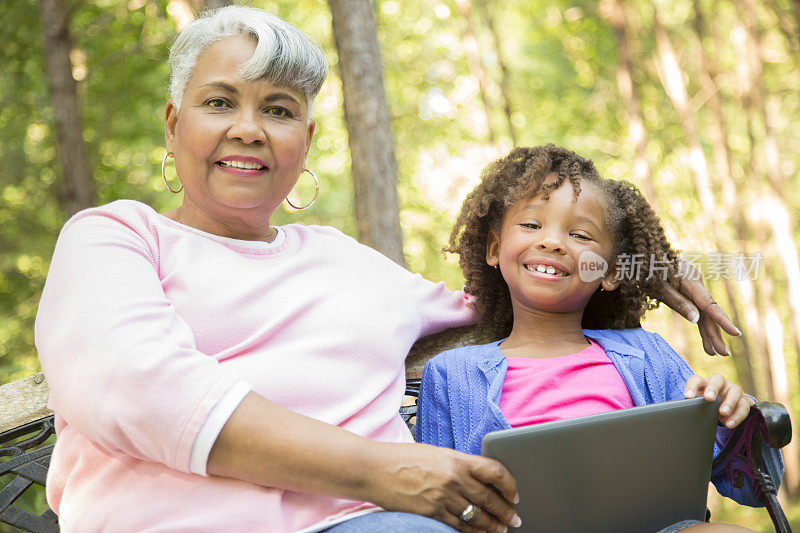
[268, 445]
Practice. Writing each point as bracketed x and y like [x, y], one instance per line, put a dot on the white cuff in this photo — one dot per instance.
[217, 418]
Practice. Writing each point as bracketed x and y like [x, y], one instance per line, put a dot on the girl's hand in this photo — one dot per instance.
[734, 406]
[441, 483]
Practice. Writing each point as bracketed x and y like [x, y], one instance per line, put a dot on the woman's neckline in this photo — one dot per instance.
[257, 247]
[274, 231]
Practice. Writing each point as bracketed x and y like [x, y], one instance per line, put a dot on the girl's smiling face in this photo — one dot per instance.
[540, 245]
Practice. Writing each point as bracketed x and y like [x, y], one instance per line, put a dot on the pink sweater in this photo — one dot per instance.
[144, 326]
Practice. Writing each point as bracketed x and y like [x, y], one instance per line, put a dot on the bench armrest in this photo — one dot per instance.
[24, 459]
[768, 424]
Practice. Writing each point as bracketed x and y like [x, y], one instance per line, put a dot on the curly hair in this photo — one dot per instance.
[636, 231]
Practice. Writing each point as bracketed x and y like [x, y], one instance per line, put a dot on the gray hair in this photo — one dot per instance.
[284, 55]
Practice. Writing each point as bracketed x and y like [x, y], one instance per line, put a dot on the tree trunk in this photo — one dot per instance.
[182, 12]
[753, 52]
[671, 77]
[721, 179]
[505, 77]
[775, 335]
[745, 228]
[772, 209]
[750, 52]
[205, 5]
[368, 126]
[614, 11]
[78, 191]
[788, 29]
[469, 41]
[796, 5]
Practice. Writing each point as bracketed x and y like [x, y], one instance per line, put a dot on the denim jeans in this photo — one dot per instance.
[391, 522]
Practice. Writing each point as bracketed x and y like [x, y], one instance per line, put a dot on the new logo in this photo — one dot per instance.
[591, 266]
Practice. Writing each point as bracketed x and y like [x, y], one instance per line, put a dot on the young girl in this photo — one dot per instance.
[559, 262]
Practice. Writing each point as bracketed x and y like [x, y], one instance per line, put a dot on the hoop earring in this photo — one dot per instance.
[164, 174]
[316, 193]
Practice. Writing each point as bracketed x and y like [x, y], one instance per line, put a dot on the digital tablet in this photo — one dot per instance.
[638, 469]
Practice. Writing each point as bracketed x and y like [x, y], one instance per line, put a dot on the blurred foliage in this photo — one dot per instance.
[562, 60]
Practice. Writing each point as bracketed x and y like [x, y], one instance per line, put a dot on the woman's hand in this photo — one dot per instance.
[441, 483]
[697, 305]
[734, 406]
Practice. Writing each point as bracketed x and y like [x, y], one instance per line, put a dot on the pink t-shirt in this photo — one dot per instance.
[146, 326]
[558, 388]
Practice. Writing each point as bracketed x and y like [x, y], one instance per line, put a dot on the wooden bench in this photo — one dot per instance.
[27, 435]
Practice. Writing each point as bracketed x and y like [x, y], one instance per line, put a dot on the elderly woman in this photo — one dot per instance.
[210, 371]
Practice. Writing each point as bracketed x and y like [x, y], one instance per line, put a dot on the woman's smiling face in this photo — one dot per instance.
[239, 144]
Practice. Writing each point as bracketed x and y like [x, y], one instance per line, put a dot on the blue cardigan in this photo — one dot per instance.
[460, 394]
